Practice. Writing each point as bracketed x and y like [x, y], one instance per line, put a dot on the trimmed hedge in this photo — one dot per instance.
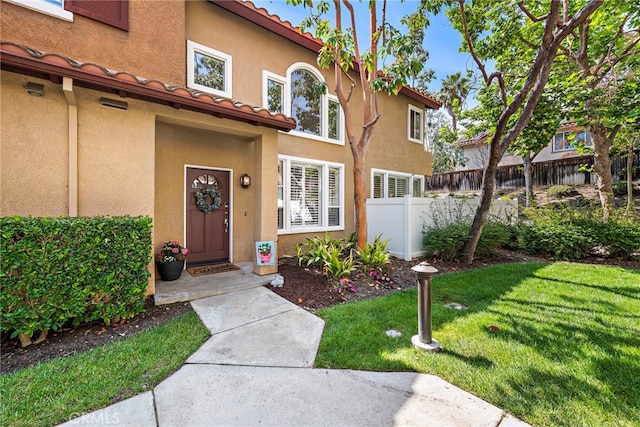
[60, 270]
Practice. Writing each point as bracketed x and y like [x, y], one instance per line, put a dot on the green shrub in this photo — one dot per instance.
[374, 256]
[57, 270]
[336, 266]
[559, 191]
[317, 250]
[578, 233]
[446, 242]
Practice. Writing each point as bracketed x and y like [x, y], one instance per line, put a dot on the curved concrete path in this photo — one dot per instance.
[256, 370]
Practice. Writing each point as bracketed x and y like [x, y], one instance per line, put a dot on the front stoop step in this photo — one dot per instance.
[189, 288]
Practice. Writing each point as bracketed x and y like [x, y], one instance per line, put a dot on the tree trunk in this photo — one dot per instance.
[630, 177]
[527, 161]
[602, 168]
[486, 196]
[360, 199]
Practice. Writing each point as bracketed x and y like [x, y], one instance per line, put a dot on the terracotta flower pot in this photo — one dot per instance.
[170, 270]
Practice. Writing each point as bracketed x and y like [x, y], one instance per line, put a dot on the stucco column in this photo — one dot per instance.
[67, 87]
[265, 203]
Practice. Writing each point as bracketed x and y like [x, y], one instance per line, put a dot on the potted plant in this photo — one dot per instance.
[170, 260]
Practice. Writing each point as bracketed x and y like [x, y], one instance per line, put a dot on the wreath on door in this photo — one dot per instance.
[201, 200]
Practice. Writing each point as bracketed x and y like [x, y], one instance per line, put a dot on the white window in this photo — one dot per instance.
[415, 125]
[274, 96]
[302, 95]
[53, 8]
[564, 141]
[395, 184]
[310, 195]
[208, 70]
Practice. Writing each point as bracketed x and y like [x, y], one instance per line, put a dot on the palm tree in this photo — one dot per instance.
[453, 93]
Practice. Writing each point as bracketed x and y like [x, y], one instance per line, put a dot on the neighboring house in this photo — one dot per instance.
[133, 107]
[562, 146]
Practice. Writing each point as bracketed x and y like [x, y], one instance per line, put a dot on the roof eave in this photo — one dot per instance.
[292, 34]
[13, 62]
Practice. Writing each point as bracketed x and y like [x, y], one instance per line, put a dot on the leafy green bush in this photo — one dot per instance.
[559, 191]
[374, 256]
[446, 242]
[575, 234]
[57, 270]
[317, 250]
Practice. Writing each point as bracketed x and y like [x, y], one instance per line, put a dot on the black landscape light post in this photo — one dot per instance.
[424, 340]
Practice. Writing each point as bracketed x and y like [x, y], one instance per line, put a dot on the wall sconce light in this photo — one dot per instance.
[114, 103]
[245, 181]
[35, 89]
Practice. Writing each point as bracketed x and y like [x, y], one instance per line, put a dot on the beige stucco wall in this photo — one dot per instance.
[115, 153]
[115, 157]
[156, 28]
[33, 149]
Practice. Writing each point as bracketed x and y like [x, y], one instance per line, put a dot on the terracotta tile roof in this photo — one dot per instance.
[478, 139]
[53, 66]
[261, 16]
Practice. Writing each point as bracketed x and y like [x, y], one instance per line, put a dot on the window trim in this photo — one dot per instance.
[324, 105]
[561, 150]
[46, 8]
[266, 76]
[385, 182]
[324, 195]
[413, 108]
[192, 48]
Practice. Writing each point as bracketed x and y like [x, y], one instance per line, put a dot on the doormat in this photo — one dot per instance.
[202, 270]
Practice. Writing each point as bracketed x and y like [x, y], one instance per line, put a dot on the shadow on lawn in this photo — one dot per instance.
[590, 341]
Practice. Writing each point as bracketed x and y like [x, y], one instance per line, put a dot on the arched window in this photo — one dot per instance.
[307, 92]
[302, 94]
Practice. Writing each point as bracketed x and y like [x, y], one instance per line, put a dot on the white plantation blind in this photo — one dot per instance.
[398, 186]
[378, 190]
[417, 187]
[389, 184]
[314, 195]
[334, 197]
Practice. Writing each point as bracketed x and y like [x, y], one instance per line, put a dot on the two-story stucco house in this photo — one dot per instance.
[562, 146]
[136, 107]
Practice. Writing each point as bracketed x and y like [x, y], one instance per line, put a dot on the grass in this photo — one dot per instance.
[566, 351]
[65, 388]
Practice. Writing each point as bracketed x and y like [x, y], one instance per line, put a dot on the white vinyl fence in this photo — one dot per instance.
[403, 220]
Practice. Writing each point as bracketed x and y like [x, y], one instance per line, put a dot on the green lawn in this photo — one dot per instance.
[53, 392]
[566, 351]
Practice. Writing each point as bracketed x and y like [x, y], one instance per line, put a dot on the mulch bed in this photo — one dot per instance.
[305, 287]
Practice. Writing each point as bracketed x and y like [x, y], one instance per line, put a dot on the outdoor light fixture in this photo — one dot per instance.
[245, 181]
[35, 89]
[114, 103]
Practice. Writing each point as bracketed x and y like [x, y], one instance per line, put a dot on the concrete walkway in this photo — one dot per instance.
[256, 369]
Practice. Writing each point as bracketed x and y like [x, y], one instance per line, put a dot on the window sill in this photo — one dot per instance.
[313, 137]
[309, 230]
[45, 8]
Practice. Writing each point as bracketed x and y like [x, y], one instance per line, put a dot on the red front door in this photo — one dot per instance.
[207, 232]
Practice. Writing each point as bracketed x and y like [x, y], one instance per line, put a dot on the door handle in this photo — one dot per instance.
[226, 225]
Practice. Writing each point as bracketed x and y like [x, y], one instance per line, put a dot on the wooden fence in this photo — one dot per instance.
[555, 172]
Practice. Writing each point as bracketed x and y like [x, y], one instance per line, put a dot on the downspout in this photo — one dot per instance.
[67, 87]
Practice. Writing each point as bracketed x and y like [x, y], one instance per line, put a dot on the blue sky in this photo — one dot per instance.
[441, 41]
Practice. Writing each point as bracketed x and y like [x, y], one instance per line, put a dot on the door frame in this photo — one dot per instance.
[184, 202]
